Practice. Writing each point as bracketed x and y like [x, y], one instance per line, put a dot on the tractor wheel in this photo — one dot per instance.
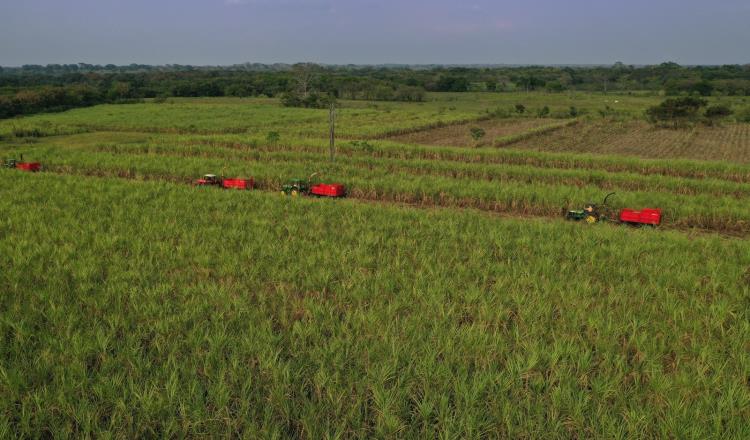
[590, 219]
[283, 193]
[295, 193]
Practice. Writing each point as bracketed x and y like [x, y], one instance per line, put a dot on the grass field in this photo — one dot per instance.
[444, 298]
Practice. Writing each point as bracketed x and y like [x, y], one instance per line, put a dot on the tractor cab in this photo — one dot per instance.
[208, 179]
[591, 212]
[295, 187]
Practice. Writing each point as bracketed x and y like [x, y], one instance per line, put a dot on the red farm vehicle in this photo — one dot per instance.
[21, 165]
[594, 213]
[648, 216]
[213, 180]
[296, 187]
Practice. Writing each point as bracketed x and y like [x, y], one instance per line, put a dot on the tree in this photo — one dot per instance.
[452, 84]
[703, 88]
[530, 82]
[409, 94]
[303, 76]
[555, 86]
[716, 112]
[119, 90]
[676, 110]
[383, 93]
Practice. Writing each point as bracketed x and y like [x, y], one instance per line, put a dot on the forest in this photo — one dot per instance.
[34, 88]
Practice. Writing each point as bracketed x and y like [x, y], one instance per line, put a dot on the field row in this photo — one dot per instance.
[394, 150]
[519, 196]
[499, 173]
[192, 313]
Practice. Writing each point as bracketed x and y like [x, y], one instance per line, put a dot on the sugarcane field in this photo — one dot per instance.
[377, 244]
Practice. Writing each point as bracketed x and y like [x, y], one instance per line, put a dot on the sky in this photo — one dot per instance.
[223, 32]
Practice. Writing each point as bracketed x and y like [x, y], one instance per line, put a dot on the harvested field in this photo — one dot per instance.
[730, 142]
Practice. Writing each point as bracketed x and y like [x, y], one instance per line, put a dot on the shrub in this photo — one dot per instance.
[273, 137]
[718, 111]
[676, 110]
[477, 133]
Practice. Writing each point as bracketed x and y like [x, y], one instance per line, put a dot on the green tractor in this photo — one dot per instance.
[10, 163]
[296, 187]
[591, 212]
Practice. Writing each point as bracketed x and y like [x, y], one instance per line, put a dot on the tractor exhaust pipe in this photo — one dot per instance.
[309, 179]
[607, 197]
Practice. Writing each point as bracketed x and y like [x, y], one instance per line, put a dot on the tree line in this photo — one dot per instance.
[35, 88]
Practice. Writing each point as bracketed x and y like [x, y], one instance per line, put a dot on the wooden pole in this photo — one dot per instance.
[332, 128]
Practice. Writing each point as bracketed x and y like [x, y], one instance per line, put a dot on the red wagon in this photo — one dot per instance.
[328, 190]
[29, 166]
[212, 180]
[238, 183]
[648, 216]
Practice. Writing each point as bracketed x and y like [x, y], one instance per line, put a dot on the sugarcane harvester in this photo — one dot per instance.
[594, 213]
[296, 187]
[235, 183]
[21, 165]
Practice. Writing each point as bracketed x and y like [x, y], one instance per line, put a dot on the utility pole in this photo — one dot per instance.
[332, 126]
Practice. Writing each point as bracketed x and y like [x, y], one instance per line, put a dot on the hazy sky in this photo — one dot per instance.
[374, 31]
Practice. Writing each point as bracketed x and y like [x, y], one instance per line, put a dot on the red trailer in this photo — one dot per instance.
[29, 166]
[648, 216]
[212, 180]
[238, 183]
[328, 190]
